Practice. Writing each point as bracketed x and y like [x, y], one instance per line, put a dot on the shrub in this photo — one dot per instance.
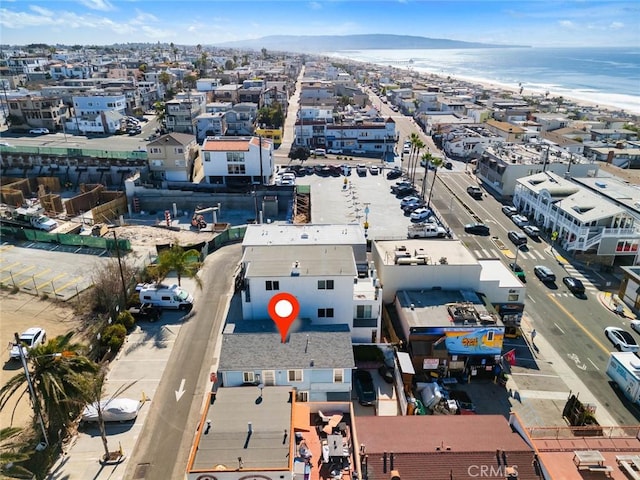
[125, 318]
[113, 336]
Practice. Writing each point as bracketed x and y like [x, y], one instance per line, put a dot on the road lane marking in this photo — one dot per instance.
[75, 280]
[558, 327]
[522, 374]
[9, 266]
[579, 325]
[590, 361]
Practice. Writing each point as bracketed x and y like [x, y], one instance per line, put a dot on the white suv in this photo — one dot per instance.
[29, 339]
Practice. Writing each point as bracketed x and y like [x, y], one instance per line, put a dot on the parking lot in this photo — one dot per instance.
[358, 199]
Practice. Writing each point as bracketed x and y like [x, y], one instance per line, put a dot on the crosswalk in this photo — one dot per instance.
[486, 253]
[589, 278]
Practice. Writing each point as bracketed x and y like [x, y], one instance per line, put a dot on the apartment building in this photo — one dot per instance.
[37, 111]
[502, 164]
[587, 214]
[171, 157]
[235, 161]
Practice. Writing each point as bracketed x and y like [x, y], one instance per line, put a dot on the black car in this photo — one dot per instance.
[518, 271]
[365, 390]
[544, 273]
[476, 228]
[393, 174]
[145, 311]
[574, 285]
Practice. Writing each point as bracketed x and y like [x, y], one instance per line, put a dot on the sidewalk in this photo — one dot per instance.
[547, 406]
[141, 361]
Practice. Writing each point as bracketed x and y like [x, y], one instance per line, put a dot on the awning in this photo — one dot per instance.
[301, 417]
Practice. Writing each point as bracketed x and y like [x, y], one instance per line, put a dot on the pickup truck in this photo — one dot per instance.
[426, 230]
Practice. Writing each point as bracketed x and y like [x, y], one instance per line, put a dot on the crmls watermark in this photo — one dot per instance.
[490, 471]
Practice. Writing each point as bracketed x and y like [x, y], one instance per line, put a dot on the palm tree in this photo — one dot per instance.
[417, 146]
[11, 453]
[185, 263]
[436, 162]
[93, 388]
[413, 138]
[54, 369]
[161, 111]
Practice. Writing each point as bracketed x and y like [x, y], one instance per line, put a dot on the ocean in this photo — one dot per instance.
[602, 76]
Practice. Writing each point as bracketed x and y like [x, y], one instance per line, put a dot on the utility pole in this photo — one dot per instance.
[34, 400]
[124, 285]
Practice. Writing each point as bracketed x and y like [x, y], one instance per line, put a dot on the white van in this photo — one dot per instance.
[164, 296]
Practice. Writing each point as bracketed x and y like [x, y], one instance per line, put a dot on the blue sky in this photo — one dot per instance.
[209, 22]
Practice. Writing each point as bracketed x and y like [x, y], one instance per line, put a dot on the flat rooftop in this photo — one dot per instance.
[453, 250]
[220, 446]
[429, 308]
[305, 261]
[309, 234]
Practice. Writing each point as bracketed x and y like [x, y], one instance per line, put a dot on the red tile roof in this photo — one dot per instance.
[467, 447]
[222, 145]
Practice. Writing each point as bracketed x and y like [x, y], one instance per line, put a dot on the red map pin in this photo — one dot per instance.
[283, 309]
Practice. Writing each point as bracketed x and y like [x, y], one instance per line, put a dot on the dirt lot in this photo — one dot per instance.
[19, 312]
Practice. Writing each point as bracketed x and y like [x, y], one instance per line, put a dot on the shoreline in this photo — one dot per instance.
[624, 106]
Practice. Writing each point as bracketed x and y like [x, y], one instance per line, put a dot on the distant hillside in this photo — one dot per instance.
[331, 43]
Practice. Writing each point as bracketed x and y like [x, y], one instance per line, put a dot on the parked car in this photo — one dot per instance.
[145, 311]
[320, 152]
[520, 220]
[447, 165]
[335, 151]
[517, 238]
[113, 410]
[30, 338]
[574, 285]
[532, 231]
[406, 149]
[361, 170]
[622, 340]
[544, 273]
[374, 170]
[635, 325]
[518, 271]
[408, 200]
[477, 228]
[420, 215]
[412, 207]
[508, 210]
[399, 185]
[365, 390]
[393, 174]
[39, 131]
[405, 192]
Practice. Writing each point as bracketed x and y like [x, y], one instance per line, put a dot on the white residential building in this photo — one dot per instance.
[92, 104]
[587, 219]
[234, 161]
[324, 281]
[502, 164]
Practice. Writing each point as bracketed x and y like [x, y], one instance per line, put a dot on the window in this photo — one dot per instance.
[236, 169]
[363, 311]
[325, 284]
[302, 397]
[294, 375]
[166, 298]
[272, 285]
[325, 313]
[338, 375]
[178, 150]
[157, 163]
[181, 163]
[235, 157]
[489, 336]
[155, 150]
[207, 157]
[513, 297]
[248, 377]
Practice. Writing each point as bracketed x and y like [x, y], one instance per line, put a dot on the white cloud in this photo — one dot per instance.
[41, 11]
[102, 5]
[616, 26]
[315, 6]
[566, 23]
